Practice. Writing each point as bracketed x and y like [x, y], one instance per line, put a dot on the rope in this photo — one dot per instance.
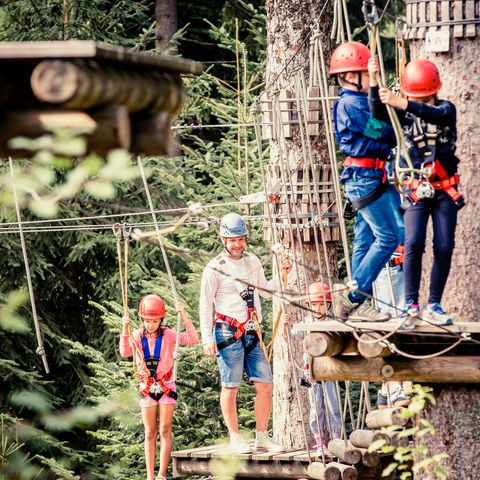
[165, 261]
[40, 346]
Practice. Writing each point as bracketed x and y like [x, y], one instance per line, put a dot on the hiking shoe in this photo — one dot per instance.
[238, 444]
[366, 312]
[399, 398]
[411, 316]
[263, 442]
[382, 401]
[342, 305]
[434, 314]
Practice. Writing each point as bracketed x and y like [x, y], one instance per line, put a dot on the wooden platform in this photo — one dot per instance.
[393, 324]
[196, 461]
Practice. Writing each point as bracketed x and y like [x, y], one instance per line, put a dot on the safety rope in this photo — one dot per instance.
[38, 332]
[341, 22]
[165, 261]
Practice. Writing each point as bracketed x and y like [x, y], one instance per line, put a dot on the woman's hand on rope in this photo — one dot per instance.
[373, 71]
[210, 350]
[389, 98]
[286, 264]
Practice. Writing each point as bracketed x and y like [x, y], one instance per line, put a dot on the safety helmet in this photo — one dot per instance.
[420, 79]
[151, 306]
[318, 292]
[349, 57]
[232, 225]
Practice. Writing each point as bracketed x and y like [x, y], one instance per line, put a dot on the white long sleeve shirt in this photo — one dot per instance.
[222, 280]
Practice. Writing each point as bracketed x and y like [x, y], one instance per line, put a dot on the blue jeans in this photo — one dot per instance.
[378, 230]
[389, 290]
[319, 416]
[244, 353]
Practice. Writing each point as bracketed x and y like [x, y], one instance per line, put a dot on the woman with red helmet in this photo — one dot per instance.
[430, 129]
[153, 346]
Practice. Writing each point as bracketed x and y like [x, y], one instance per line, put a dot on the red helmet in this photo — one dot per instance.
[420, 79]
[318, 292]
[151, 306]
[349, 57]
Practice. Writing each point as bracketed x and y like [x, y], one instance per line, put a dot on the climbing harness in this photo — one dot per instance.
[38, 332]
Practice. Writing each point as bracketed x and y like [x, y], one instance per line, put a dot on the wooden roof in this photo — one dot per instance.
[33, 52]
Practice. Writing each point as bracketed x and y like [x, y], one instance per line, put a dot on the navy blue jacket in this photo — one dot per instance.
[443, 114]
[358, 133]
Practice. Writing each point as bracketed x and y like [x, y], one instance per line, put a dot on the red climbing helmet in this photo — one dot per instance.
[318, 292]
[151, 306]
[420, 79]
[349, 57]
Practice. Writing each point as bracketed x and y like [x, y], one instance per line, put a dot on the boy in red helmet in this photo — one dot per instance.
[366, 143]
[325, 417]
[430, 130]
[152, 346]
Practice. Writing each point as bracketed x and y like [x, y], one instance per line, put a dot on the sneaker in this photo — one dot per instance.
[160, 477]
[263, 441]
[382, 401]
[238, 444]
[342, 305]
[399, 398]
[410, 316]
[320, 448]
[434, 314]
[366, 312]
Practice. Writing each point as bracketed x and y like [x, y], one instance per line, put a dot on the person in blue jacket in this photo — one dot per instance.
[429, 125]
[366, 143]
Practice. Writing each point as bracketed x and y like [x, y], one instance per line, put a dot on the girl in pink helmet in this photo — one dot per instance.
[152, 346]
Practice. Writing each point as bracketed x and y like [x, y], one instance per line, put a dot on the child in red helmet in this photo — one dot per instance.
[325, 417]
[153, 346]
[430, 129]
[365, 142]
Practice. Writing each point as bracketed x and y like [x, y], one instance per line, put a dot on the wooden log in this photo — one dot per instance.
[85, 84]
[369, 459]
[372, 350]
[109, 127]
[151, 133]
[345, 452]
[320, 344]
[347, 472]
[364, 438]
[396, 440]
[324, 472]
[385, 418]
[443, 369]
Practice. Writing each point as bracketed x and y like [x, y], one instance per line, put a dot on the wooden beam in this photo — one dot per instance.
[368, 349]
[318, 344]
[109, 127]
[324, 472]
[443, 369]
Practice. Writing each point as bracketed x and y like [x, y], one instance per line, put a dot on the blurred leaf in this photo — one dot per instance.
[31, 400]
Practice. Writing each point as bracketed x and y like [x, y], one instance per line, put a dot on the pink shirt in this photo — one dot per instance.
[189, 337]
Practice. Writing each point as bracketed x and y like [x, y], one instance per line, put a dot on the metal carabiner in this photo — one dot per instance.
[371, 17]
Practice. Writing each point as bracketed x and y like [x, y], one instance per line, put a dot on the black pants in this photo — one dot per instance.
[444, 218]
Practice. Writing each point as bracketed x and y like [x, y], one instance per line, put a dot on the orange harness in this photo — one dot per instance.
[374, 163]
[149, 382]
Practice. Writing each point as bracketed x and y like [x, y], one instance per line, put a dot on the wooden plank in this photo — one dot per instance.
[208, 452]
[458, 15]
[470, 15]
[442, 369]
[285, 106]
[187, 452]
[393, 324]
[267, 119]
[422, 19]
[433, 18]
[445, 14]
[287, 456]
[91, 49]
[412, 32]
[313, 111]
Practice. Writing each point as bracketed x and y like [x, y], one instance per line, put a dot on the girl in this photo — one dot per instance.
[153, 346]
[430, 130]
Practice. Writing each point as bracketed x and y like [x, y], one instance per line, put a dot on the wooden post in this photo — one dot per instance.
[345, 452]
[324, 472]
[444, 369]
[109, 127]
[372, 350]
[347, 472]
[320, 344]
[364, 438]
[385, 418]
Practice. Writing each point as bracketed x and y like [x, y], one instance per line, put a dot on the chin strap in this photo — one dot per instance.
[357, 85]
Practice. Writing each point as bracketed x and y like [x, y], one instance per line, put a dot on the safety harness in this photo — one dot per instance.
[375, 164]
[397, 257]
[153, 386]
[425, 138]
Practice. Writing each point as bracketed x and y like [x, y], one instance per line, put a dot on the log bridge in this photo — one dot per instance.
[123, 99]
[380, 351]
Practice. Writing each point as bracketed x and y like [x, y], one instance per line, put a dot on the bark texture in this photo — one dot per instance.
[455, 415]
[288, 23]
[166, 21]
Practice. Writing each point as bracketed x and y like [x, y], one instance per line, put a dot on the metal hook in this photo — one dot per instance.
[370, 16]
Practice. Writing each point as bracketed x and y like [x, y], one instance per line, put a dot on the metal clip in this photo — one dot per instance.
[371, 17]
[425, 190]
[127, 231]
[156, 389]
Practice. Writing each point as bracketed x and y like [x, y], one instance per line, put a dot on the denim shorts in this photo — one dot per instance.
[237, 356]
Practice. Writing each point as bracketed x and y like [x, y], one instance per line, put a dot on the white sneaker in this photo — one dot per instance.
[263, 441]
[238, 444]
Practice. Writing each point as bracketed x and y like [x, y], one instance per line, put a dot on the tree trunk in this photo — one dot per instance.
[455, 415]
[288, 23]
[166, 21]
